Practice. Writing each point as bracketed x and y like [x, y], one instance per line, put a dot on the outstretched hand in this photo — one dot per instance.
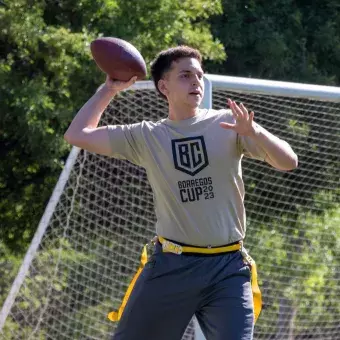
[244, 120]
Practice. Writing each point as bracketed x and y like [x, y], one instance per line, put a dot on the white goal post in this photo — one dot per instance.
[87, 245]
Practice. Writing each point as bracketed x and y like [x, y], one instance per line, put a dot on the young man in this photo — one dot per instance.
[193, 162]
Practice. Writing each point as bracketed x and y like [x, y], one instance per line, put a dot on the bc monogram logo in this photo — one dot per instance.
[190, 154]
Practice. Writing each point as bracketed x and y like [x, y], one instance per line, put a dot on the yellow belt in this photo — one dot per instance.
[172, 247]
[175, 248]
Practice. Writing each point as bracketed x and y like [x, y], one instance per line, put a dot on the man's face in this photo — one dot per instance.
[183, 84]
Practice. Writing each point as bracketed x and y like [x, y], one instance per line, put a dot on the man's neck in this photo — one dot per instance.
[181, 113]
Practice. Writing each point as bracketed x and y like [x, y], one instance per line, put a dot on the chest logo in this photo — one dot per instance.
[190, 154]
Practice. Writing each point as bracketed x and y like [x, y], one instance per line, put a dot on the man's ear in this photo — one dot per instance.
[162, 86]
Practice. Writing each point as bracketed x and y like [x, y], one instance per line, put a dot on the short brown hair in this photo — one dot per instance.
[164, 59]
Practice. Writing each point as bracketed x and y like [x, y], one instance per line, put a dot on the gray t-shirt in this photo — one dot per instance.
[194, 169]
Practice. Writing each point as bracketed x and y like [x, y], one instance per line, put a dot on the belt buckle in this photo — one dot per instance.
[171, 247]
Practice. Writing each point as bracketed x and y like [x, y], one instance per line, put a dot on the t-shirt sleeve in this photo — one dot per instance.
[127, 142]
[249, 148]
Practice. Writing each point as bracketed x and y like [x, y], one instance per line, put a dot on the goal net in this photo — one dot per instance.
[88, 244]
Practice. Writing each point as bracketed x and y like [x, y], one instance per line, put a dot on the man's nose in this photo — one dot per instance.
[195, 80]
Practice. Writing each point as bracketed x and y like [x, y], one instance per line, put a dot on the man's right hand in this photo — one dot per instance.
[116, 86]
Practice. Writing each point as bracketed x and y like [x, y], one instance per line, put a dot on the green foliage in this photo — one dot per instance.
[9, 265]
[158, 24]
[301, 265]
[46, 285]
[281, 39]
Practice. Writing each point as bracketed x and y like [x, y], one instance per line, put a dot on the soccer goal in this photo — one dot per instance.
[87, 246]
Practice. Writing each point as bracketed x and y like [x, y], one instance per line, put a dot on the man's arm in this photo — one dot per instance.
[279, 153]
[83, 130]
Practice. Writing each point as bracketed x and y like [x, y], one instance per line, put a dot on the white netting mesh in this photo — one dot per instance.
[93, 242]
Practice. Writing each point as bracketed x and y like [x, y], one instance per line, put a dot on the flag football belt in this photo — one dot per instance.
[175, 248]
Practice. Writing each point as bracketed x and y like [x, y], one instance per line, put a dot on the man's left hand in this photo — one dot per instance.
[244, 122]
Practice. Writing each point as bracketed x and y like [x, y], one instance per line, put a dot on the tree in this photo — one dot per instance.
[281, 39]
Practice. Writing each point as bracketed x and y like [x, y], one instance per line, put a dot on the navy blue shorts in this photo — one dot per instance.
[173, 288]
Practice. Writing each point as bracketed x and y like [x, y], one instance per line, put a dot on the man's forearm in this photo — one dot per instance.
[279, 152]
[89, 115]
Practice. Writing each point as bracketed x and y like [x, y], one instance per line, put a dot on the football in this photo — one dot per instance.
[118, 58]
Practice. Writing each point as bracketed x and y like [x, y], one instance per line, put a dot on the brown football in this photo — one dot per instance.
[118, 58]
